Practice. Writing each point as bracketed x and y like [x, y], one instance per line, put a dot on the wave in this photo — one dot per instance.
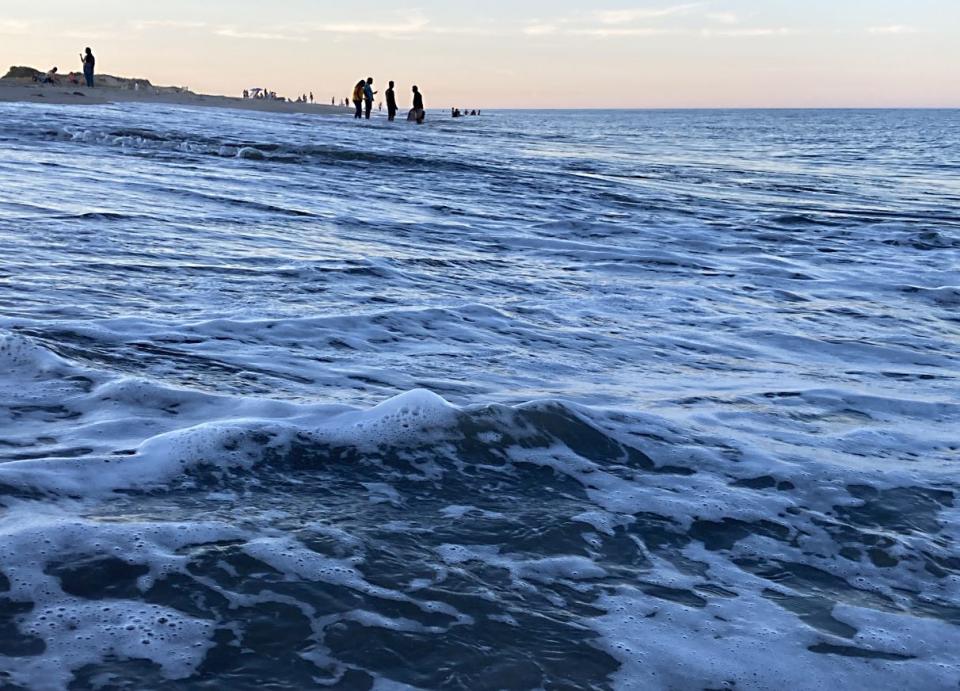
[944, 296]
[418, 520]
[568, 514]
[147, 141]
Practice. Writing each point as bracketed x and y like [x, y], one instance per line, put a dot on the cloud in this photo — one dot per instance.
[540, 29]
[642, 22]
[410, 25]
[407, 24]
[14, 26]
[746, 33]
[723, 17]
[641, 31]
[405, 27]
[639, 14]
[232, 32]
[601, 24]
[148, 24]
[895, 29]
[624, 31]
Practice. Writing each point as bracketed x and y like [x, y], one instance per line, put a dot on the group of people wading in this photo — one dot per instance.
[363, 94]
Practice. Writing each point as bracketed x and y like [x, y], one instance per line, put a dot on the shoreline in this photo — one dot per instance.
[14, 91]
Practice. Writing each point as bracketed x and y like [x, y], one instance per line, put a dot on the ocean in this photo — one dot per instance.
[528, 400]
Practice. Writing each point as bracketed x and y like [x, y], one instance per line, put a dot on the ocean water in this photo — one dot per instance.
[533, 400]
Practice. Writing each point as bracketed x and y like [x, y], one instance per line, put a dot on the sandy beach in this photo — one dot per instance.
[12, 90]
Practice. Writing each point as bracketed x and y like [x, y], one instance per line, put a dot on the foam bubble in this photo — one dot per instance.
[231, 443]
[78, 633]
[401, 418]
[21, 356]
[39, 548]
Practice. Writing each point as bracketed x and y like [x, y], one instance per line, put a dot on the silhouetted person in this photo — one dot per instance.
[417, 114]
[89, 62]
[358, 99]
[391, 103]
[368, 94]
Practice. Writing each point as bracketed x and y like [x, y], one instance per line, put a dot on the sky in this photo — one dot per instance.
[516, 53]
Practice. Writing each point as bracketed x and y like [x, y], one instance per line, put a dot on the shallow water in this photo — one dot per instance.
[529, 400]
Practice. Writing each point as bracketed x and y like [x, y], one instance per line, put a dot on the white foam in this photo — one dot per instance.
[20, 356]
[457, 511]
[601, 520]
[396, 420]
[231, 443]
[291, 558]
[754, 644]
[545, 570]
[78, 631]
[551, 569]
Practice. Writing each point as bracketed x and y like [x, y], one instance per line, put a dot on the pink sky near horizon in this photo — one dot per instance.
[722, 53]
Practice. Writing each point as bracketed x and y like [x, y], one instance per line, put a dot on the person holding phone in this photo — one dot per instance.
[88, 62]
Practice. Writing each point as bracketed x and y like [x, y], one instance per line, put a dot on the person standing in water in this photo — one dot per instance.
[88, 61]
[358, 99]
[368, 94]
[417, 114]
[391, 103]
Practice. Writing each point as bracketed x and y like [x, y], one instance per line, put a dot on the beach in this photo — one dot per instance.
[13, 90]
[438, 346]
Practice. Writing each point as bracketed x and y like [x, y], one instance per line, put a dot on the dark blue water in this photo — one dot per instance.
[625, 399]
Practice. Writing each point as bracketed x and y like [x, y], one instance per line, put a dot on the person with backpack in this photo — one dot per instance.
[358, 99]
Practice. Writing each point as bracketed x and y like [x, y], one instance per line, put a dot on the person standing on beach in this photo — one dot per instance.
[88, 62]
[391, 103]
[358, 99]
[368, 94]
